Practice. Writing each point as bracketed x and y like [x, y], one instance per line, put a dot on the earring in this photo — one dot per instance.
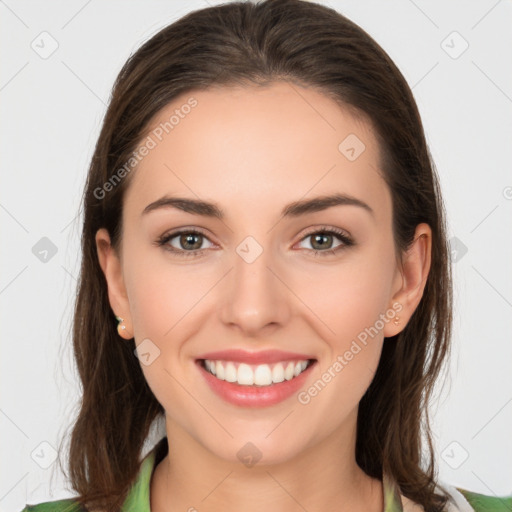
[396, 321]
[120, 327]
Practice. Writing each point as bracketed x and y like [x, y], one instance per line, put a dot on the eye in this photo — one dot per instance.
[188, 242]
[322, 240]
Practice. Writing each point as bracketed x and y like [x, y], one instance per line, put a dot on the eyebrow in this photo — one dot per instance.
[295, 209]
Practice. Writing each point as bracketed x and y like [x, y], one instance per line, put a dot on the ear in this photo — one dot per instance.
[410, 279]
[111, 266]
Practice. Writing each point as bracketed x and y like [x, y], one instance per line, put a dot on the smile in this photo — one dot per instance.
[255, 375]
[255, 378]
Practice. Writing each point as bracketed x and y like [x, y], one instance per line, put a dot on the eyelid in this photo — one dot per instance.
[163, 241]
[326, 229]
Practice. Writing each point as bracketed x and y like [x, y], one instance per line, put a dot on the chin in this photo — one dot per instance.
[254, 448]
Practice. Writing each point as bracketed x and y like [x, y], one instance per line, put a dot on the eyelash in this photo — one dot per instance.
[323, 230]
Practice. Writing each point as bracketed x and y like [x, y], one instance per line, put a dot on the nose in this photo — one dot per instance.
[255, 298]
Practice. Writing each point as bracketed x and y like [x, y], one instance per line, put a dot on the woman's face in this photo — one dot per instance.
[255, 285]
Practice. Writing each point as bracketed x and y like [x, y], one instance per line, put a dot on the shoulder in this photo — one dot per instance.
[66, 505]
[484, 503]
[462, 500]
[137, 498]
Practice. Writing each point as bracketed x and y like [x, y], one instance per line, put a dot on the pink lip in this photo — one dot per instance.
[254, 396]
[261, 357]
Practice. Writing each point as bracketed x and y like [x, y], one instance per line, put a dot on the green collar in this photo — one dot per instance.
[138, 497]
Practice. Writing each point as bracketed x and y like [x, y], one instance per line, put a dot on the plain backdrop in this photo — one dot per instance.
[59, 60]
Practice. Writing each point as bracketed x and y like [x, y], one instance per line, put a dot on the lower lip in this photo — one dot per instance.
[255, 396]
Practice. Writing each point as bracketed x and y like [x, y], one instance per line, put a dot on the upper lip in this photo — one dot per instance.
[260, 357]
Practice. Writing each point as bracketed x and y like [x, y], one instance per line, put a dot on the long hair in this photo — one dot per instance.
[251, 44]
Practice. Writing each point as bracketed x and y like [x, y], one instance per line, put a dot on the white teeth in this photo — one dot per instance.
[288, 372]
[231, 373]
[219, 370]
[278, 373]
[245, 374]
[210, 365]
[263, 375]
[259, 375]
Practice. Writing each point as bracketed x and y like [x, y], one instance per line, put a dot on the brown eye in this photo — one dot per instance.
[190, 241]
[322, 240]
[184, 243]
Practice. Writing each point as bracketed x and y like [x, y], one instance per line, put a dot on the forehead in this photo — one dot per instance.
[240, 146]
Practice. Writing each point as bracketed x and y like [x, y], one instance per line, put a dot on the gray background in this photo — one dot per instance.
[52, 107]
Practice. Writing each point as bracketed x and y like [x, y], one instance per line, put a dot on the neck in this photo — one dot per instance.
[322, 477]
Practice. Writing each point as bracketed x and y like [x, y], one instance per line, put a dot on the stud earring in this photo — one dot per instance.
[120, 326]
[396, 321]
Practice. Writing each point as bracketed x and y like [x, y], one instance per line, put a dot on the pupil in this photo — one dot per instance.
[188, 238]
[321, 236]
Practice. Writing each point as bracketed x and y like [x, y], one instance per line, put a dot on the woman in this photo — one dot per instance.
[265, 266]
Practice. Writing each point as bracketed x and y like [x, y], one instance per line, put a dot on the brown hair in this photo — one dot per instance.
[256, 44]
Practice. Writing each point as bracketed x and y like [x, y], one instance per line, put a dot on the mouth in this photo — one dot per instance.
[259, 379]
[262, 375]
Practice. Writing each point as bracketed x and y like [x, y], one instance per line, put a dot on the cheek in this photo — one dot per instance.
[165, 300]
[161, 295]
[353, 307]
[350, 298]
[352, 312]
[160, 292]
[352, 304]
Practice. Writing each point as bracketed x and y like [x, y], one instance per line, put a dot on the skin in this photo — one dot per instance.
[252, 151]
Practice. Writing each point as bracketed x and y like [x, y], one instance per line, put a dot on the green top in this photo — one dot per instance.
[138, 496]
